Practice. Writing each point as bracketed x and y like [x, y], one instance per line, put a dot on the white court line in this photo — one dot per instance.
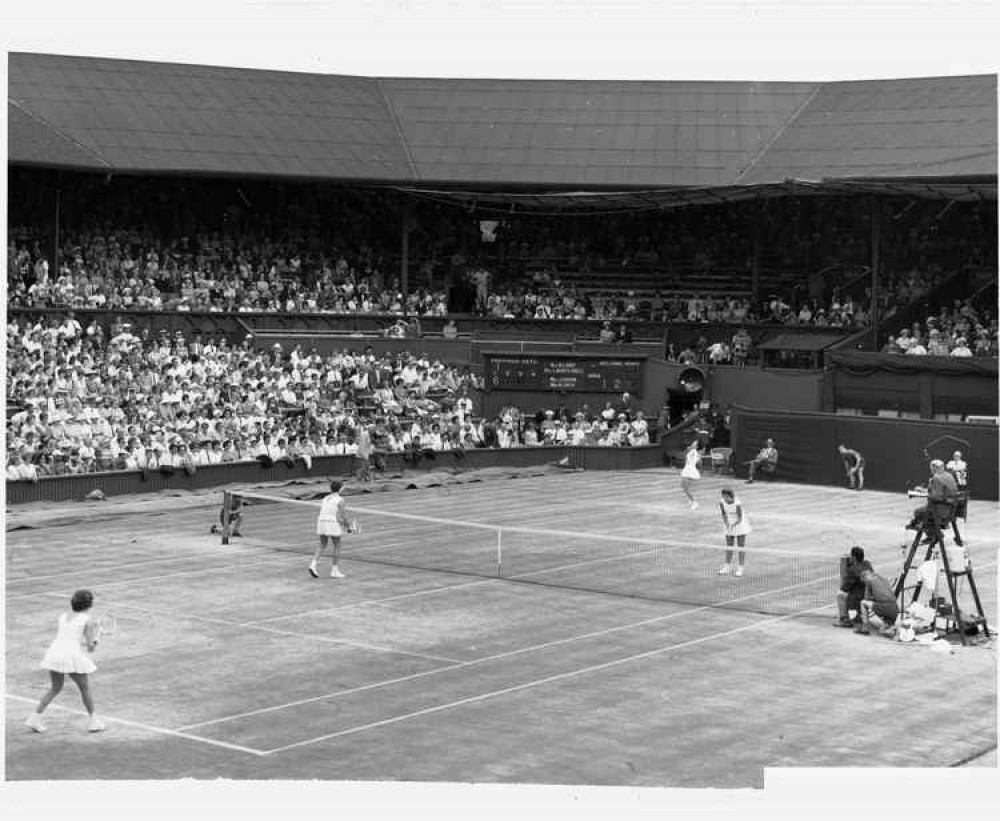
[202, 572]
[368, 602]
[308, 636]
[538, 682]
[506, 654]
[111, 568]
[357, 644]
[148, 727]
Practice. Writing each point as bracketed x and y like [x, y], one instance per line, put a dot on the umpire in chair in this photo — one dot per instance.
[942, 500]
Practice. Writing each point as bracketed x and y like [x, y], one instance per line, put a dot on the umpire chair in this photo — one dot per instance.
[956, 567]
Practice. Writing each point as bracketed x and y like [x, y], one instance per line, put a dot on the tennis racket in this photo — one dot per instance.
[353, 526]
[107, 625]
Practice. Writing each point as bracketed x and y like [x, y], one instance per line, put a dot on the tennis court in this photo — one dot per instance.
[558, 629]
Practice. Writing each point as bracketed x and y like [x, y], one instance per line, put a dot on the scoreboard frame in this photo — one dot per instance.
[563, 372]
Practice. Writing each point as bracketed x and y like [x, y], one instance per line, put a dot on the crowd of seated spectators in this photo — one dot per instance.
[620, 423]
[213, 273]
[548, 297]
[959, 330]
[133, 400]
[125, 270]
[271, 267]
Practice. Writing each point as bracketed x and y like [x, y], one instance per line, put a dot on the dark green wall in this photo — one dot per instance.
[896, 451]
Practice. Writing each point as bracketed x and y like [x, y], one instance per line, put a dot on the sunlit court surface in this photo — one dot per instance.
[565, 628]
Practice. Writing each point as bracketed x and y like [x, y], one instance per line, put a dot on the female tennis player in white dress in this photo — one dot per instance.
[690, 473]
[330, 525]
[69, 655]
[737, 526]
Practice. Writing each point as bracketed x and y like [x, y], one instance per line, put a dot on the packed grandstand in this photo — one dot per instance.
[102, 252]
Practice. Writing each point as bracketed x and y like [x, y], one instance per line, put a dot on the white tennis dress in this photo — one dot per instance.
[328, 522]
[691, 462]
[742, 528]
[66, 654]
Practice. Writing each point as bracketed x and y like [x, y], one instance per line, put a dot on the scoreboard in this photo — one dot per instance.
[563, 373]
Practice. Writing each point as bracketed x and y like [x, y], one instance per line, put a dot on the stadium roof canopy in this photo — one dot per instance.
[522, 144]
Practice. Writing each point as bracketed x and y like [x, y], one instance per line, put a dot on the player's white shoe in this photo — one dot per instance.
[95, 725]
[739, 570]
[34, 721]
[724, 570]
[694, 505]
[336, 574]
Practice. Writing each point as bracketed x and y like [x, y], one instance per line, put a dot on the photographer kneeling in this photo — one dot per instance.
[878, 607]
[852, 588]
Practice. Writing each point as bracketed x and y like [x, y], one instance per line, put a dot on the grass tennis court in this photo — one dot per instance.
[604, 654]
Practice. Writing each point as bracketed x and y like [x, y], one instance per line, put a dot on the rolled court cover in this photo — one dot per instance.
[775, 582]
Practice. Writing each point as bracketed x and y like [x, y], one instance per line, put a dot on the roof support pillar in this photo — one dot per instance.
[876, 261]
[56, 243]
[404, 251]
[758, 218]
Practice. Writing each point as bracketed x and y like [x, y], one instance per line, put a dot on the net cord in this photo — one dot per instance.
[528, 531]
[534, 577]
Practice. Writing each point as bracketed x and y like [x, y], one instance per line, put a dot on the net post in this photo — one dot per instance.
[226, 500]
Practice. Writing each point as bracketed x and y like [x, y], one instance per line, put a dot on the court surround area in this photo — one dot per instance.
[231, 662]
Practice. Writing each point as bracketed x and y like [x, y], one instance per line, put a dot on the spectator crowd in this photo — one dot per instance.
[959, 330]
[94, 398]
[210, 273]
[133, 400]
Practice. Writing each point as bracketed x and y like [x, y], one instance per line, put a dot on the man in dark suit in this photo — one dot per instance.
[942, 496]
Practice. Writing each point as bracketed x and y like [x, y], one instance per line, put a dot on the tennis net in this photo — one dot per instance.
[774, 582]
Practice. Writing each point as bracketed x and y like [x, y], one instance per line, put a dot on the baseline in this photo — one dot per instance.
[148, 727]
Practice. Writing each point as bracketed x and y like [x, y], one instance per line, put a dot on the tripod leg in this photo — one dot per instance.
[907, 563]
[975, 596]
[956, 611]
